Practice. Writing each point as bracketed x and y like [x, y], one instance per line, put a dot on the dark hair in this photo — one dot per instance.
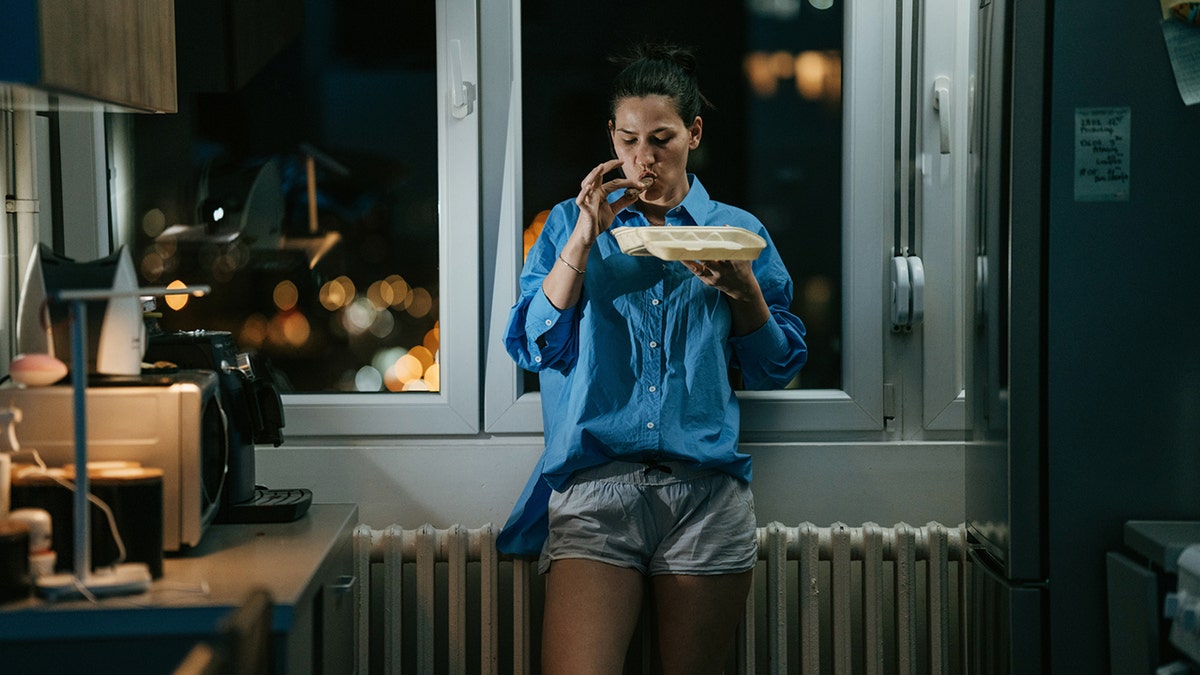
[662, 69]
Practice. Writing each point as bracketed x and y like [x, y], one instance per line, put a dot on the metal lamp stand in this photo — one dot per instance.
[124, 578]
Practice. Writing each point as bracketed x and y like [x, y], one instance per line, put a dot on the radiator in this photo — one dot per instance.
[834, 599]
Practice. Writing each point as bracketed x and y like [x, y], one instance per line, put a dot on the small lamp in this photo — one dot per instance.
[128, 577]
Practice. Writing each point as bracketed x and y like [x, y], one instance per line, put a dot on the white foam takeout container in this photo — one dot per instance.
[690, 242]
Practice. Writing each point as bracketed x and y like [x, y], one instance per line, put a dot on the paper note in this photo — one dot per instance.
[1183, 46]
[1101, 154]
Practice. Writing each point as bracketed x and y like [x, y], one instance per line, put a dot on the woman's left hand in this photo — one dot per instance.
[734, 278]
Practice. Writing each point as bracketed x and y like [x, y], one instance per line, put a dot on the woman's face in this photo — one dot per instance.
[652, 141]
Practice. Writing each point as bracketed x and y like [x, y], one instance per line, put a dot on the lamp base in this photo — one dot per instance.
[123, 579]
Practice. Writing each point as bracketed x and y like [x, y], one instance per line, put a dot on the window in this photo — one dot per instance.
[329, 203]
[812, 102]
[433, 145]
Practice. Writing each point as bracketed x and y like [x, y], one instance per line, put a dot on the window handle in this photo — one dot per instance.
[941, 103]
[901, 293]
[908, 292]
[462, 93]
[916, 277]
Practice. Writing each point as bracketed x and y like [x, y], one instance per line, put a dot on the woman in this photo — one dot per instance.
[641, 481]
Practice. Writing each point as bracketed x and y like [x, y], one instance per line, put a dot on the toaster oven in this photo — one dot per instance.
[173, 422]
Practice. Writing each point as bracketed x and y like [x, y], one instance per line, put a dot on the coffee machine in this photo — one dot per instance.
[254, 412]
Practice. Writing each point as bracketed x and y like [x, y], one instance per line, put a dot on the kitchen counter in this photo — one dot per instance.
[306, 566]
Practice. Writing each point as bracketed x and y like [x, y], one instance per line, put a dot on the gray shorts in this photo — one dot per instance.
[667, 518]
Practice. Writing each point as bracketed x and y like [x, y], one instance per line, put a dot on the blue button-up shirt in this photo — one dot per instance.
[639, 368]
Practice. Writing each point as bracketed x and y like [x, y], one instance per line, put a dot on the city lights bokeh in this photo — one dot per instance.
[378, 312]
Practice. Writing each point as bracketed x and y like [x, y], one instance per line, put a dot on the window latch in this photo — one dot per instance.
[462, 93]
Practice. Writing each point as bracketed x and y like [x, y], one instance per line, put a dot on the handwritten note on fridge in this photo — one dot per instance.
[1101, 154]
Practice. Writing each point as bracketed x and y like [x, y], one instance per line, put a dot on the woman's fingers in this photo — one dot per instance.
[596, 176]
[594, 191]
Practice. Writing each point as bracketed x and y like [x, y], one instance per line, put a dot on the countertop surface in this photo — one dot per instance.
[203, 584]
[1161, 541]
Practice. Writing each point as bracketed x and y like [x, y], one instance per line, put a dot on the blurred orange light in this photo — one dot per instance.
[154, 222]
[286, 295]
[783, 66]
[431, 340]
[408, 368]
[760, 74]
[400, 289]
[422, 303]
[530, 235]
[254, 331]
[334, 295]
[423, 355]
[153, 265]
[380, 294]
[810, 74]
[295, 329]
[433, 377]
[177, 301]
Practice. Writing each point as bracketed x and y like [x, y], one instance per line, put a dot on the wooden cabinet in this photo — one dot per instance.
[306, 567]
[116, 51]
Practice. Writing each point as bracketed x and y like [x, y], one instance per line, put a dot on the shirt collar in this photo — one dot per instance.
[696, 203]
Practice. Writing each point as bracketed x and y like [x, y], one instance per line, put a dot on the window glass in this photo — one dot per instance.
[772, 144]
[307, 197]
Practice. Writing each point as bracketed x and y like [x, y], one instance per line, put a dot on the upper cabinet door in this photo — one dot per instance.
[117, 51]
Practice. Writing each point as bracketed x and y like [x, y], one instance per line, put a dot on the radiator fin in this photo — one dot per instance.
[905, 622]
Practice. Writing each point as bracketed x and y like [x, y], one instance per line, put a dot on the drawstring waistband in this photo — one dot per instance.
[643, 471]
[652, 465]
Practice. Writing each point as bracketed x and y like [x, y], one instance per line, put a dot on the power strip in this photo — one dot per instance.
[123, 579]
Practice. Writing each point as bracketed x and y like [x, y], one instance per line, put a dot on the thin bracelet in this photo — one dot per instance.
[564, 261]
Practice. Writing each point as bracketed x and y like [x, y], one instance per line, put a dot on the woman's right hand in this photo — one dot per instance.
[596, 213]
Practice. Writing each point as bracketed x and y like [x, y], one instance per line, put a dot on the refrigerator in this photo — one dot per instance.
[1084, 378]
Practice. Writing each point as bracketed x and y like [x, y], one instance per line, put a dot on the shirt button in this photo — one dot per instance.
[655, 301]
[537, 359]
[653, 389]
[653, 344]
[549, 322]
[650, 425]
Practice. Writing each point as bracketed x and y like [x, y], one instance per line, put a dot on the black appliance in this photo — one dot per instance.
[254, 411]
[1083, 389]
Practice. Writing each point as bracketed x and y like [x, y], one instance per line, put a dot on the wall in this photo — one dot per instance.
[476, 482]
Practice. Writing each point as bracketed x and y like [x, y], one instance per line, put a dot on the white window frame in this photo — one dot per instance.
[947, 205]
[453, 410]
[876, 362]
[859, 405]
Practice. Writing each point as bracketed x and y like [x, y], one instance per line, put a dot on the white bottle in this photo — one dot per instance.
[42, 559]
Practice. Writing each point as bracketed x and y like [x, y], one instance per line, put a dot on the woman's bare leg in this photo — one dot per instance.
[591, 611]
[697, 620]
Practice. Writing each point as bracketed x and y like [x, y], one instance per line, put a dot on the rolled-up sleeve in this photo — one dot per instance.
[770, 356]
[540, 335]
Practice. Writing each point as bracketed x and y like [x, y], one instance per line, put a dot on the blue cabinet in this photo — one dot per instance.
[306, 568]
